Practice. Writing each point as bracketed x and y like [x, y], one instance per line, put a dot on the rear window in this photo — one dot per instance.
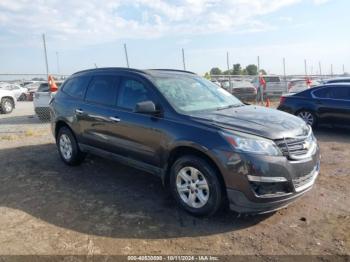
[272, 79]
[76, 87]
[43, 87]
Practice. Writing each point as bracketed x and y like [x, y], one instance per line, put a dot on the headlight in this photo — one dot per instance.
[252, 144]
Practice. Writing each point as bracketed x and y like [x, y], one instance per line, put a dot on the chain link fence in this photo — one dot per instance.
[25, 106]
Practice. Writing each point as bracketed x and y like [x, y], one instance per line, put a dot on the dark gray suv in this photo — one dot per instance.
[205, 145]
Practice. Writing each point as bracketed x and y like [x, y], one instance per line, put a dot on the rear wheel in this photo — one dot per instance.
[195, 186]
[68, 147]
[308, 117]
[22, 97]
[6, 105]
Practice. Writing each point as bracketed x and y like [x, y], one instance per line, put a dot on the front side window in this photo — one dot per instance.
[132, 92]
[188, 94]
[102, 90]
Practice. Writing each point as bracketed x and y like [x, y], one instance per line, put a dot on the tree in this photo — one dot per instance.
[237, 69]
[227, 72]
[207, 75]
[215, 71]
[252, 70]
[263, 71]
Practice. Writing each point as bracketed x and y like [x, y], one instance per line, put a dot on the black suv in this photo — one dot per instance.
[205, 145]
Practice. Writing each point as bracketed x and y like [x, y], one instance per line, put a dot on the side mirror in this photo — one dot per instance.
[145, 107]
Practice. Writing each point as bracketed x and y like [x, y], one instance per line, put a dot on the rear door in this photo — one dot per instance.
[97, 116]
[340, 96]
[42, 96]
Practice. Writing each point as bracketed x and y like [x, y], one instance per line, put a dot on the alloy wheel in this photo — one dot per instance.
[192, 187]
[66, 147]
[307, 117]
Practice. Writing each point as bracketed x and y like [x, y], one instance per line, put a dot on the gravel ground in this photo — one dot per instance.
[102, 207]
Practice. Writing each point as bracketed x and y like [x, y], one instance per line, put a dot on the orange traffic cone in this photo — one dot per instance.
[267, 102]
[52, 84]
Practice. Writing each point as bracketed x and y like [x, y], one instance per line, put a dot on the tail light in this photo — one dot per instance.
[282, 100]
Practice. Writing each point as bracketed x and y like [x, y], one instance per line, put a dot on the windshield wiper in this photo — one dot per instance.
[229, 106]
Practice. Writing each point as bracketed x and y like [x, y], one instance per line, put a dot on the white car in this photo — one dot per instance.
[42, 99]
[7, 101]
[19, 92]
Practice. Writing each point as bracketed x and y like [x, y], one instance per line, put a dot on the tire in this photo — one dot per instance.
[199, 199]
[22, 97]
[309, 117]
[68, 148]
[6, 105]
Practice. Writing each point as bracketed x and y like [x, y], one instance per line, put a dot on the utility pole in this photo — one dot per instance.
[320, 68]
[343, 69]
[45, 54]
[332, 70]
[183, 59]
[58, 63]
[284, 73]
[228, 68]
[305, 65]
[228, 60]
[126, 56]
[258, 64]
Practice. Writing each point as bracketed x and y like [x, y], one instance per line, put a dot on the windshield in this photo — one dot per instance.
[188, 94]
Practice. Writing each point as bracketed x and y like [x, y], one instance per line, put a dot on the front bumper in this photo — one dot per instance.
[291, 179]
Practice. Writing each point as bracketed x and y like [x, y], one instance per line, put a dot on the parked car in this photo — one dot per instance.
[7, 101]
[243, 90]
[41, 101]
[18, 91]
[274, 85]
[325, 104]
[298, 85]
[337, 80]
[205, 144]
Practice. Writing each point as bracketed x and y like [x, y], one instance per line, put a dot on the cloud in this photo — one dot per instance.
[98, 21]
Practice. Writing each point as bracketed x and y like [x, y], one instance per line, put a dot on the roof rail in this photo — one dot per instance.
[173, 70]
[111, 68]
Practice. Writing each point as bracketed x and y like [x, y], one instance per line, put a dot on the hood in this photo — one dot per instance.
[256, 120]
[5, 93]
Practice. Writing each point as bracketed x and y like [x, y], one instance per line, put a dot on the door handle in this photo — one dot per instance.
[79, 111]
[115, 119]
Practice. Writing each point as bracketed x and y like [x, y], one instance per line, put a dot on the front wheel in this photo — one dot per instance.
[6, 105]
[68, 147]
[308, 117]
[195, 186]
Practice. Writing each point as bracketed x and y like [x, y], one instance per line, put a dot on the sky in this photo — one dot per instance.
[84, 33]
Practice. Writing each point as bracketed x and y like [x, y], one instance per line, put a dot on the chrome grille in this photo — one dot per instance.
[298, 147]
[292, 146]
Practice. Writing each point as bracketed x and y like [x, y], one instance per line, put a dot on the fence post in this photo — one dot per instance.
[183, 59]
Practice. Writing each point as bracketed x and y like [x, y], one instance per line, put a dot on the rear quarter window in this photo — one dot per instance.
[76, 87]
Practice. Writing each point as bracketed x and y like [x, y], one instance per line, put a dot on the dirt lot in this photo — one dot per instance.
[103, 207]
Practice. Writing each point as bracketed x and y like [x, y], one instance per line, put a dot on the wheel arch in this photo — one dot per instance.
[183, 150]
[59, 124]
